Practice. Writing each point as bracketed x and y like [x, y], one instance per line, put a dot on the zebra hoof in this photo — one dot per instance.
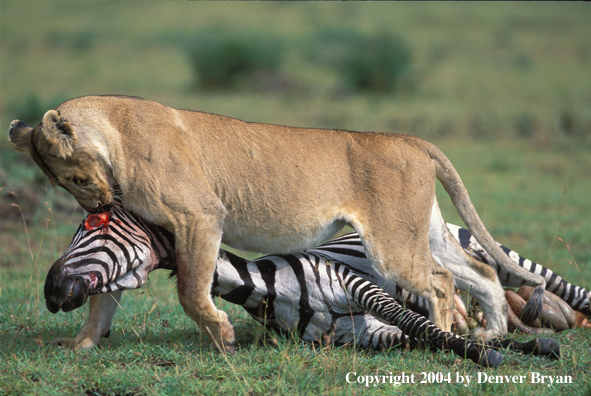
[533, 307]
[491, 358]
[547, 347]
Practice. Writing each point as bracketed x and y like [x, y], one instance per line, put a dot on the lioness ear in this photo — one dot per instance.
[59, 135]
[19, 136]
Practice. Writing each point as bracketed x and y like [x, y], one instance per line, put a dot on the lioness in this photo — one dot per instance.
[258, 187]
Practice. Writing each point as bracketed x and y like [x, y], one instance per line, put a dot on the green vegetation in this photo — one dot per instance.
[224, 61]
[373, 63]
[501, 88]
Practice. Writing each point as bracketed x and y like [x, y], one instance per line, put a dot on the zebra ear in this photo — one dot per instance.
[60, 137]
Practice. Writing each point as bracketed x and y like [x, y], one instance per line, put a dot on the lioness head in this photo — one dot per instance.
[66, 158]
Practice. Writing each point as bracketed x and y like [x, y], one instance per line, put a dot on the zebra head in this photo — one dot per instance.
[112, 250]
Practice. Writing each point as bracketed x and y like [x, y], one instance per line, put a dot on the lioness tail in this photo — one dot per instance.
[451, 181]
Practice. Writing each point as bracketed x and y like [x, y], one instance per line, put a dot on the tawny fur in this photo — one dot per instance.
[257, 187]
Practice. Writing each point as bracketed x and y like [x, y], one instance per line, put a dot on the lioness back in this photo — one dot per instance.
[273, 180]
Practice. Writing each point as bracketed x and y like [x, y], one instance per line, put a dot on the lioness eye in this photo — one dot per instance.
[77, 181]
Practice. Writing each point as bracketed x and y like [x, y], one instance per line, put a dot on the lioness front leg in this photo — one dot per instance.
[197, 251]
[98, 324]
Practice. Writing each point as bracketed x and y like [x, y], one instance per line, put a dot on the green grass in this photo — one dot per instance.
[502, 88]
[155, 349]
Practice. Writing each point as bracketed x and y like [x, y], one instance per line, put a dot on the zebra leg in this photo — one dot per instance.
[577, 297]
[377, 335]
[98, 325]
[383, 306]
[367, 332]
[537, 347]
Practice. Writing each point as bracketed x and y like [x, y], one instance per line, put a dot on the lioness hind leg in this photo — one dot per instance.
[194, 279]
[405, 258]
[423, 276]
[395, 234]
[470, 275]
[443, 287]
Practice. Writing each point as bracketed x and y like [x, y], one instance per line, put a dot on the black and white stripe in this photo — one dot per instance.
[322, 298]
[326, 300]
[577, 297]
[349, 249]
[120, 255]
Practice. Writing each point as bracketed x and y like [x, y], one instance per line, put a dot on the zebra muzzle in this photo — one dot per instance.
[76, 296]
[64, 292]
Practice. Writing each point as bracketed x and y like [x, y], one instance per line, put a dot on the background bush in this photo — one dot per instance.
[224, 61]
[374, 63]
